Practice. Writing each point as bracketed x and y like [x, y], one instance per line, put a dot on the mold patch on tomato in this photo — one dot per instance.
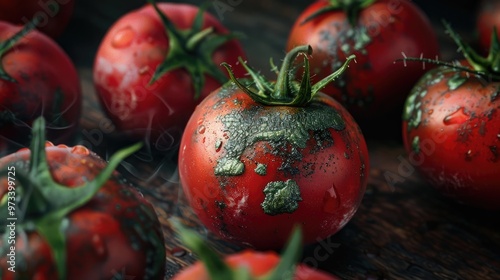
[279, 127]
[281, 197]
[261, 169]
[456, 81]
[415, 144]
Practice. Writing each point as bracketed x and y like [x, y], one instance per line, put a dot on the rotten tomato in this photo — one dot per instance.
[258, 157]
[451, 127]
[378, 32]
[66, 214]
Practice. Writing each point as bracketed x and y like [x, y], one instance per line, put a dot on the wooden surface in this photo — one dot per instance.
[402, 231]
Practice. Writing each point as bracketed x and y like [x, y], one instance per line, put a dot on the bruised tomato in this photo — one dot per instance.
[154, 66]
[258, 157]
[378, 33]
[451, 128]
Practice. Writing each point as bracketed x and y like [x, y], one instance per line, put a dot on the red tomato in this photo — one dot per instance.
[136, 46]
[258, 264]
[81, 220]
[53, 15]
[39, 79]
[377, 32]
[488, 17]
[251, 170]
[451, 128]
[247, 264]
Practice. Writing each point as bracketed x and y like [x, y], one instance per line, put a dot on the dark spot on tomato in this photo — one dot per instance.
[221, 205]
[278, 126]
[281, 197]
[494, 152]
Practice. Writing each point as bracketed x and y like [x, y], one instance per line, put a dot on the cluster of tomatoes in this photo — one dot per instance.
[279, 153]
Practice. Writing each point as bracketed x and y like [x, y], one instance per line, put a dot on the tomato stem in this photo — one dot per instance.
[5, 46]
[192, 50]
[285, 91]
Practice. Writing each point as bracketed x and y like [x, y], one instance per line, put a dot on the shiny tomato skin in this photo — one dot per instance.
[54, 15]
[47, 84]
[487, 18]
[258, 264]
[105, 237]
[330, 168]
[126, 60]
[374, 86]
[451, 131]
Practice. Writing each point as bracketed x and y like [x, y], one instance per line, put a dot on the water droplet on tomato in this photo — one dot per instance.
[99, 246]
[80, 150]
[430, 112]
[218, 145]
[458, 117]
[201, 129]
[200, 121]
[143, 70]
[123, 38]
[203, 140]
[178, 252]
[330, 200]
[468, 155]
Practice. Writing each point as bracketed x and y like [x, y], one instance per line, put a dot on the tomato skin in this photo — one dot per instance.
[47, 84]
[105, 237]
[122, 74]
[452, 135]
[487, 18]
[258, 263]
[54, 15]
[375, 85]
[330, 170]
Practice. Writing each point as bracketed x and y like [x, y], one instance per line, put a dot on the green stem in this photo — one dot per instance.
[285, 91]
[282, 87]
[5, 46]
[218, 269]
[197, 38]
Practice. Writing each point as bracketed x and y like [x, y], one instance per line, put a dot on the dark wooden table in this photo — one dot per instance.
[401, 231]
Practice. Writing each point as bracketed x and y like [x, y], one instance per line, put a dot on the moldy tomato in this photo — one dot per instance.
[258, 157]
[451, 127]
[36, 78]
[248, 264]
[377, 32]
[156, 64]
[75, 216]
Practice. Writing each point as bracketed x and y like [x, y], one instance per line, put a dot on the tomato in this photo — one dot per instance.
[36, 78]
[252, 169]
[487, 18]
[451, 128]
[378, 33]
[154, 66]
[248, 264]
[52, 15]
[80, 219]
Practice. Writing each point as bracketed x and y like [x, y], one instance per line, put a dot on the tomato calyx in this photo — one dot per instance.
[350, 7]
[487, 67]
[192, 50]
[43, 204]
[218, 269]
[285, 91]
[7, 45]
